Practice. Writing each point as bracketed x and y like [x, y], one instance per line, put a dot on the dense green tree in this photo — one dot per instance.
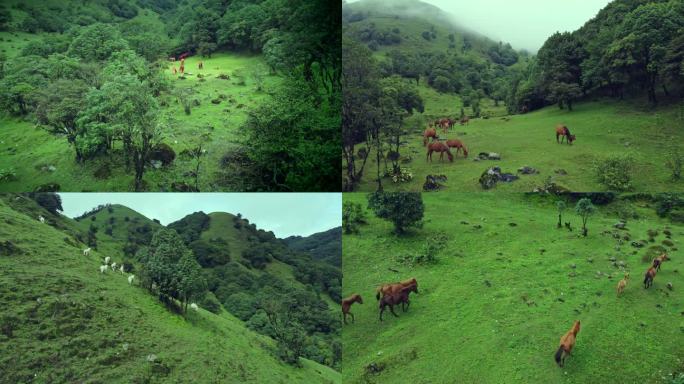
[97, 42]
[403, 209]
[52, 202]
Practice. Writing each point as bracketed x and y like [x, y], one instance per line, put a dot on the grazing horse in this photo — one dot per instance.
[648, 278]
[429, 133]
[464, 120]
[200, 65]
[390, 288]
[400, 297]
[658, 261]
[347, 303]
[444, 123]
[566, 344]
[563, 131]
[622, 284]
[441, 148]
[458, 144]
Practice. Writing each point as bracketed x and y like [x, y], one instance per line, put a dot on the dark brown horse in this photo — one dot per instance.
[347, 303]
[566, 343]
[648, 278]
[563, 132]
[399, 297]
[458, 144]
[658, 261]
[464, 120]
[441, 148]
[200, 65]
[429, 133]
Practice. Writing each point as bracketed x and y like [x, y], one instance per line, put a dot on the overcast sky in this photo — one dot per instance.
[285, 214]
[523, 23]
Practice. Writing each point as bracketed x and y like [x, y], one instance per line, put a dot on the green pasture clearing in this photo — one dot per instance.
[603, 128]
[29, 150]
[494, 306]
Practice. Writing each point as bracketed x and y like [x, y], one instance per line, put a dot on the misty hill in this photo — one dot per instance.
[417, 41]
[325, 246]
[63, 321]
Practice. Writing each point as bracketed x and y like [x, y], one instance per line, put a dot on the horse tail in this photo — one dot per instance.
[647, 277]
[559, 355]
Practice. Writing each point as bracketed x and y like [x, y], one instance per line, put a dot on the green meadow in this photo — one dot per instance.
[506, 285]
[603, 128]
[30, 150]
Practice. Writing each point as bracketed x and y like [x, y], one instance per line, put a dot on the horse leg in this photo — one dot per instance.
[392, 310]
[382, 309]
[352, 315]
[557, 138]
[344, 317]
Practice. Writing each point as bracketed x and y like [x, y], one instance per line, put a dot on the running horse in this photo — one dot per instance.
[347, 303]
[648, 278]
[564, 133]
[390, 288]
[458, 144]
[566, 344]
[398, 297]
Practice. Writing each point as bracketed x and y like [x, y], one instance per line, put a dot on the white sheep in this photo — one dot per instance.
[121, 269]
[86, 252]
[41, 218]
[194, 307]
[103, 268]
[107, 259]
[114, 266]
[130, 279]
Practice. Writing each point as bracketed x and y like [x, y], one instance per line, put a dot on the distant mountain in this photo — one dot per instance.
[64, 321]
[325, 246]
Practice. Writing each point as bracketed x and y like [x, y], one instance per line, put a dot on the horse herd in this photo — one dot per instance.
[389, 295]
[433, 143]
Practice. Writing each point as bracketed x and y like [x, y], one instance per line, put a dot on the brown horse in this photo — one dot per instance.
[347, 303]
[174, 70]
[464, 120]
[458, 144]
[445, 124]
[399, 297]
[441, 148]
[429, 133]
[391, 288]
[658, 261]
[648, 278]
[566, 343]
[564, 133]
[200, 65]
[622, 284]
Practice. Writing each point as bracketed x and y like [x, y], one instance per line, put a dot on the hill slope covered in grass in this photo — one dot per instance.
[506, 285]
[64, 321]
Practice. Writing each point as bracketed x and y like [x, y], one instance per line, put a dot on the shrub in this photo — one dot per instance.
[8, 174]
[615, 172]
[210, 303]
[352, 216]
[164, 153]
[674, 162]
[403, 209]
[652, 252]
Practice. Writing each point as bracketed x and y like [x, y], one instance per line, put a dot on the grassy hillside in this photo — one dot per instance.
[65, 322]
[506, 286]
[324, 246]
[602, 128]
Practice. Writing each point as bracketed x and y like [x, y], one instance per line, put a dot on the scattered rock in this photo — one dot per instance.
[223, 76]
[464, 222]
[527, 170]
[561, 172]
[612, 258]
[434, 182]
[590, 260]
[636, 244]
[573, 266]
[216, 101]
[491, 176]
[151, 357]
[669, 286]
[620, 225]
[374, 368]
[542, 250]
[487, 283]
[477, 226]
